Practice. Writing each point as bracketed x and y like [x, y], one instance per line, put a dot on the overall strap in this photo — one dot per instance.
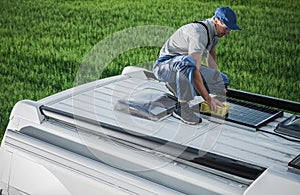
[200, 22]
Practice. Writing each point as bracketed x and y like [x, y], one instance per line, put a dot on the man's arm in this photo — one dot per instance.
[212, 62]
[198, 82]
[211, 59]
[199, 86]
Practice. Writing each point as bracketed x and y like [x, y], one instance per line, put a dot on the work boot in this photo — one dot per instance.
[185, 113]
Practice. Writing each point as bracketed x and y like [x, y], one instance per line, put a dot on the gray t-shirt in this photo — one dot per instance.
[191, 38]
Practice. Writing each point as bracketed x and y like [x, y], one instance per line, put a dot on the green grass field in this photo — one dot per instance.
[42, 43]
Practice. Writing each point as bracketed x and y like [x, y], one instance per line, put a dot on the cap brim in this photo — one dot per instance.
[234, 27]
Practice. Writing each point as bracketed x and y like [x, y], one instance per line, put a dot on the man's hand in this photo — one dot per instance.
[213, 103]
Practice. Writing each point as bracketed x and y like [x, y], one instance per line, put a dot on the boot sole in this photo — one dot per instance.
[185, 121]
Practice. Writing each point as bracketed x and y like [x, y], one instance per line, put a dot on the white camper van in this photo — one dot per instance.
[117, 136]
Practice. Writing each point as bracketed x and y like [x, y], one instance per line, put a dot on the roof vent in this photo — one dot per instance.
[295, 162]
[290, 127]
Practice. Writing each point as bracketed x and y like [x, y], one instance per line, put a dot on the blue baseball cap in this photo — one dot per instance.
[228, 16]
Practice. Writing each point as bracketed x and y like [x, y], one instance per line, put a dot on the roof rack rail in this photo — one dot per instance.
[265, 100]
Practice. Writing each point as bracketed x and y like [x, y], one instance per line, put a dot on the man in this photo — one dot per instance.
[180, 59]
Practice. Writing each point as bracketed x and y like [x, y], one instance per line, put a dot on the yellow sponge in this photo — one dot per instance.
[220, 111]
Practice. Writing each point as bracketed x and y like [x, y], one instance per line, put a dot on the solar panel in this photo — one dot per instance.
[250, 114]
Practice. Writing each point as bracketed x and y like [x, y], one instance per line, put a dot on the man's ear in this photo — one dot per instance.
[216, 20]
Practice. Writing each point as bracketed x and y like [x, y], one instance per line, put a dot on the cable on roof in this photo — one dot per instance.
[284, 137]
